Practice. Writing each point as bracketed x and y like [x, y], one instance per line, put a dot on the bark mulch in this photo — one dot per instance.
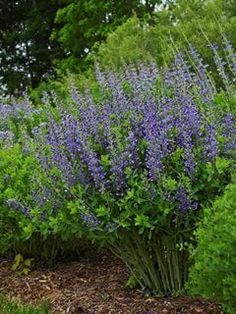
[93, 284]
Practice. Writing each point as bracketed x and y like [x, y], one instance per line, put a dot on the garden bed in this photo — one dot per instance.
[92, 284]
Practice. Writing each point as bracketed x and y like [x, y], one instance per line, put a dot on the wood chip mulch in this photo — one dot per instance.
[93, 284]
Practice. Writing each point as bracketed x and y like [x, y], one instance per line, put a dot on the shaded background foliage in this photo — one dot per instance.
[43, 40]
[26, 52]
[84, 24]
[184, 23]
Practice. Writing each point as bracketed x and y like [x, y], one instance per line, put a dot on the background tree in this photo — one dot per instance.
[28, 54]
[85, 24]
[45, 38]
[197, 22]
[26, 51]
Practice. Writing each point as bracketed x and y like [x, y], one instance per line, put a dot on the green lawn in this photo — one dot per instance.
[10, 307]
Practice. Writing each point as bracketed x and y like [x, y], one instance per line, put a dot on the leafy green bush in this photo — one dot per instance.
[130, 43]
[33, 219]
[17, 176]
[214, 272]
[30, 223]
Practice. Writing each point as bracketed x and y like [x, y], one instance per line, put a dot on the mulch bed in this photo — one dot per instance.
[93, 284]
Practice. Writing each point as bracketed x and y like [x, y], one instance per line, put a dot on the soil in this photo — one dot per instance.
[93, 284]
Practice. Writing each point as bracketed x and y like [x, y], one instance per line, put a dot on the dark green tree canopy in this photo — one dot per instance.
[29, 51]
[26, 51]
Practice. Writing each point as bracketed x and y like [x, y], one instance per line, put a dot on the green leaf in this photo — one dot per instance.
[221, 165]
[170, 184]
[17, 261]
[143, 221]
[72, 208]
[102, 211]
[28, 262]
[105, 161]
[131, 282]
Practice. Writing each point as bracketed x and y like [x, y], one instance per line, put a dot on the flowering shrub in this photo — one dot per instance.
[137, 165]
[17, 119]
[29, 223]
[130, 168]
[15, 177]
[29, 198]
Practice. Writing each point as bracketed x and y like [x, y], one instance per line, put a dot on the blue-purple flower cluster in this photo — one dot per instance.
[15, 205]
[16, 111]
[97, 143]
[229, 132]
[10, 108]
[139, 124]
[90, 220]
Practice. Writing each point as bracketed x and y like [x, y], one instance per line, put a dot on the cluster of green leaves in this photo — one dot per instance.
[32, 51]
[84, 24]
[213, 272]
[22, 266]
[16, 172]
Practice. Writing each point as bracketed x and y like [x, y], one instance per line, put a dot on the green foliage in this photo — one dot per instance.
[130, 43]
[73, 33]
[84, 24]
[59, 86]
[22, 266]
[10, 307]
[146, 232]
[174, 28]
[15, 172]
[22, 225]
[213, 272]
[26, 51]
[131, 282]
